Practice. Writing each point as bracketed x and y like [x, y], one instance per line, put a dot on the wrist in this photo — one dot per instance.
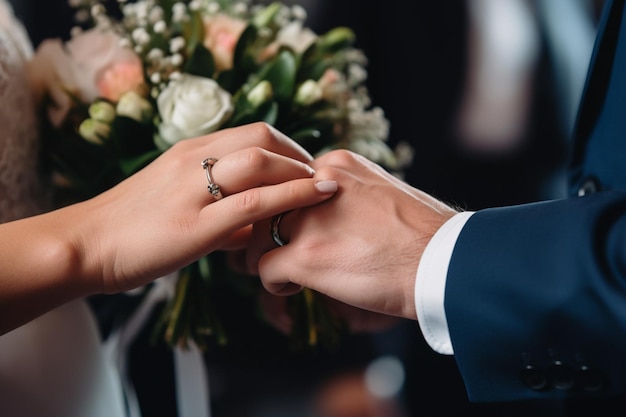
[68, 249]
[41, 268]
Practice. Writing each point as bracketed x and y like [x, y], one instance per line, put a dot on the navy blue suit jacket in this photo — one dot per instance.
[536, 294]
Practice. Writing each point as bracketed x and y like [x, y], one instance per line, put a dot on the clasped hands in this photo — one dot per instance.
[355, 233]
[360, 247]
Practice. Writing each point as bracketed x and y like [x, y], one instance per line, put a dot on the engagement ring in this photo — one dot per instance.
[214, 189]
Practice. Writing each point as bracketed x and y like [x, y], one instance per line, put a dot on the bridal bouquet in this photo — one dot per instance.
[136, 77]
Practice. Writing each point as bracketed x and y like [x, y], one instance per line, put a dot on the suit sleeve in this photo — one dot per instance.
[535, 299]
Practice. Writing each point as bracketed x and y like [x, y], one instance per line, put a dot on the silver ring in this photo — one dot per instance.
[214, 189]
[274, 230]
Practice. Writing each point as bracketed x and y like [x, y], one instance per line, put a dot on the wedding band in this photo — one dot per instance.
[274, 230]
[214, 189]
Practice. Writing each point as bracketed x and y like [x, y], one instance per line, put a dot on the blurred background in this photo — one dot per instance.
[486, 93]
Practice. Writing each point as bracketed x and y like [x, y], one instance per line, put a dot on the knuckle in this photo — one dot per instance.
[265, 134]
[256, 158]
[339, 157]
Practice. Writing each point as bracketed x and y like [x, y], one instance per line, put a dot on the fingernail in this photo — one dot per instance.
[326, 186]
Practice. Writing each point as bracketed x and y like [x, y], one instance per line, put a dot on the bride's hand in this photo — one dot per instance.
[154, 222]
[164, 217]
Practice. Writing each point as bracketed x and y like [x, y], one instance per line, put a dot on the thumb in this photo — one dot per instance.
[279, 273]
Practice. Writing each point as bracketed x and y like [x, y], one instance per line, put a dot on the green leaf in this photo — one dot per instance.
[267, 15]
[247, 39]
[232, 80]
[204, 268]
[225, 4]
[193, 32]
[305, 134]
[200, 62]
[313, 70]
[266, 112]
[167, 6]
[130, 137]
[91, 168]
[336, 39]
[281, 73]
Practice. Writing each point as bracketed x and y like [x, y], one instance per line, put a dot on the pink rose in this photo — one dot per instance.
[91, 65]
[334, 87]
[119, 79]
[222, 35]
[96, 57]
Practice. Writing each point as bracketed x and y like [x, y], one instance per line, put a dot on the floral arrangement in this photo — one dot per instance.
[137, 77]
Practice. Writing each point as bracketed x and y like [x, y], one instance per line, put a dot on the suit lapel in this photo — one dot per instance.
[599, 76]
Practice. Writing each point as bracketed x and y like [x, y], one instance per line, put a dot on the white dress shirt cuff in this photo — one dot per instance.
[430, 284]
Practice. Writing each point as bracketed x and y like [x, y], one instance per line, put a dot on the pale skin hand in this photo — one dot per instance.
[362, 247]
[153, 223]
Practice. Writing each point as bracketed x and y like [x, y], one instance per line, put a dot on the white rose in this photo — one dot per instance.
[191, 106]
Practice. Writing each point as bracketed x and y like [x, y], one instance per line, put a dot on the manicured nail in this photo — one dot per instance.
[326, 186]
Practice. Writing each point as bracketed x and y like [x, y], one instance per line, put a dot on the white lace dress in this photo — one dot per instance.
[53, 366]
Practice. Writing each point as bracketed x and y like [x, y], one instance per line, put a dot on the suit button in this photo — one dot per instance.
[590, 380]
[561, 376]
[533, 378]
[588, 186]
